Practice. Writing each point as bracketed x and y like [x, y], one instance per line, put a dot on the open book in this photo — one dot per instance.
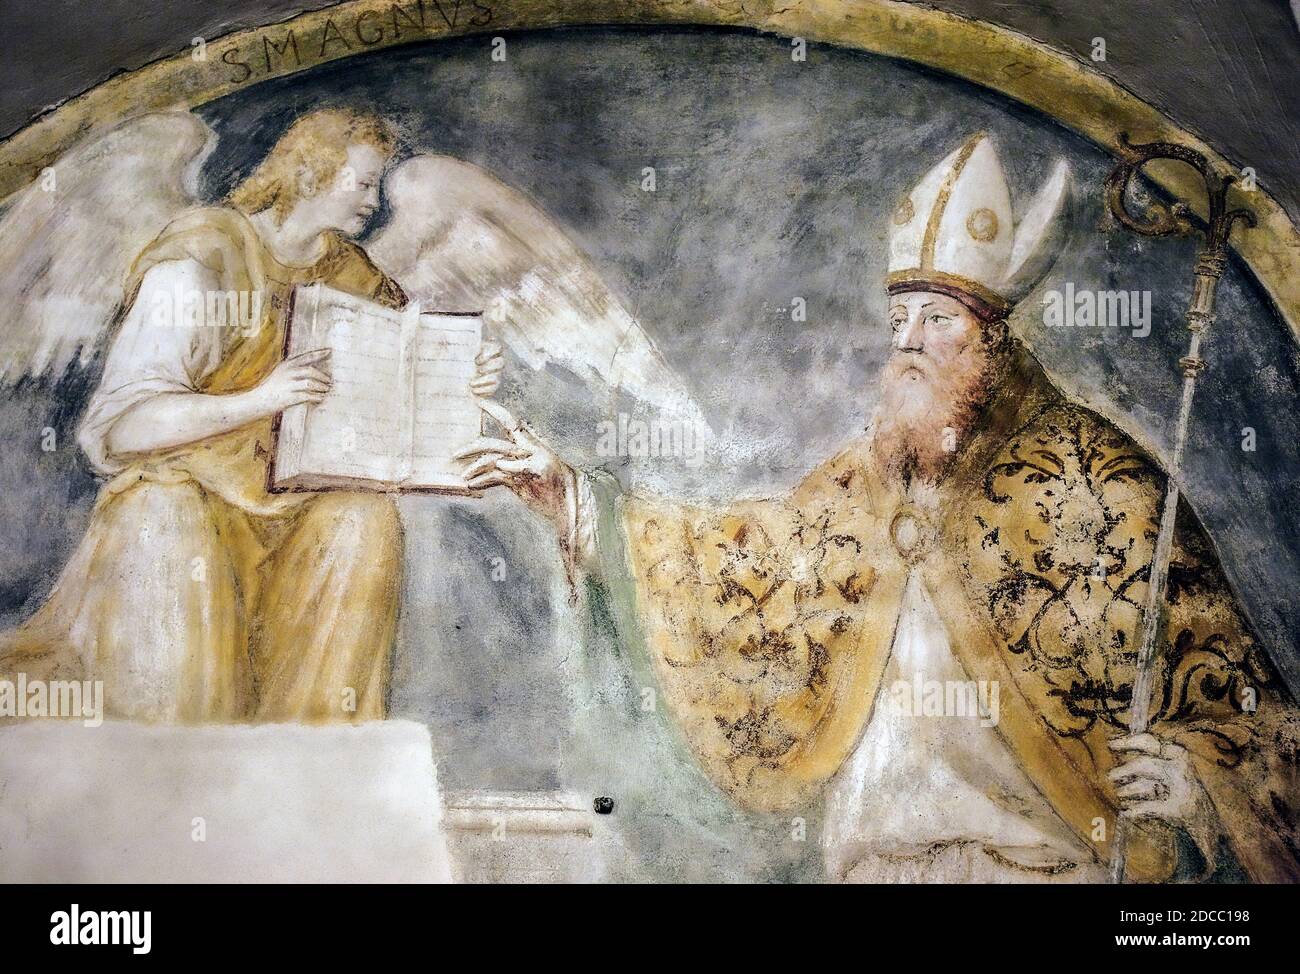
[399, 404]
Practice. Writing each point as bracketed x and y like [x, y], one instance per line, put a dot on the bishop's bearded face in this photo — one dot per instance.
[934, 384]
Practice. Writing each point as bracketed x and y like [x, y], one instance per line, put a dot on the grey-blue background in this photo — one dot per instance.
[775, 179]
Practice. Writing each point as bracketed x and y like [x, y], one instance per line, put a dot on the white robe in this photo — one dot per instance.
[940, 798]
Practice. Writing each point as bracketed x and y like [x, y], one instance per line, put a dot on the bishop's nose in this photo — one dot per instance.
[909, 337]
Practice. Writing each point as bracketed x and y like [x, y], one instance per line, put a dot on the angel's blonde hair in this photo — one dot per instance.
[310, 153]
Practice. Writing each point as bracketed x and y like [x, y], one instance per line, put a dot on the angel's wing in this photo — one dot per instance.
[68, 239]
[463, 240]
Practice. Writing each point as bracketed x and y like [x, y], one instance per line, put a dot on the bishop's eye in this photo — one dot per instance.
[941, 321]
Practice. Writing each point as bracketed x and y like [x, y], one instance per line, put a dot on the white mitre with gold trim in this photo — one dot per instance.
[953, 233]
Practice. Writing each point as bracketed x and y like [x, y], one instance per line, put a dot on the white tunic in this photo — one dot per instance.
[152, 354]
[941, 798]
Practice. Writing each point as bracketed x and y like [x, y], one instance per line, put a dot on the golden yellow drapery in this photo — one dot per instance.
[197, 595]
[769, 625]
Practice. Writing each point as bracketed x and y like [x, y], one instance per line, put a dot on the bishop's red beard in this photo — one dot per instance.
[927, 409]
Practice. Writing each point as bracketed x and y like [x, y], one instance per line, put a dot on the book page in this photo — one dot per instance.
[352, 433]
[446, 414]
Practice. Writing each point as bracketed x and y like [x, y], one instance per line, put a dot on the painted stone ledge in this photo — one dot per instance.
[128, 802]
[528, 837]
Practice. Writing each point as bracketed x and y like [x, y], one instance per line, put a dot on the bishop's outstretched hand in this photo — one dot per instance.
[519, 460]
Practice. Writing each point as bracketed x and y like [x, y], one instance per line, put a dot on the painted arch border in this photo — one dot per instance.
[1049, 81]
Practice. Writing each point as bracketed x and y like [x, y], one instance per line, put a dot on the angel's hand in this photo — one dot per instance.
[300, 378]
[491, 363]
[520, 461]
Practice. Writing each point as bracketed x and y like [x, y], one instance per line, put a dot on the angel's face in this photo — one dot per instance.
[354, 196]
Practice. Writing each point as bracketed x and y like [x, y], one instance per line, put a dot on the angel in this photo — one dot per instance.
[196, 594]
